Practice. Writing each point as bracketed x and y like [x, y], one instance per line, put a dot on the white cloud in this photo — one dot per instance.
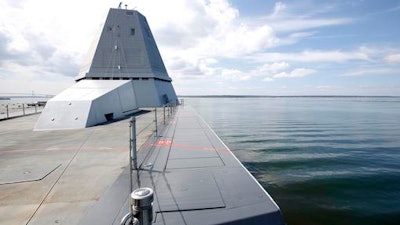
[371, 71]
[234, 75]
[297, 24]
[268, 69]
[273, 67]
[43, 44]
[191, 68]
[393, 58]
[299, 72]
[279, 7]
[312, 56]
[268, 79]
[193, 32]
[199, 40]
[295, 17]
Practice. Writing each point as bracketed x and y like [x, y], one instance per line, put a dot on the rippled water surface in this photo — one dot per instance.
[324, 160]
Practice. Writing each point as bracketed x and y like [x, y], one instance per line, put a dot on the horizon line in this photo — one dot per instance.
[263, 96]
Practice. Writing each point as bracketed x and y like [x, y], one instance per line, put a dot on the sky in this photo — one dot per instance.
[216, 47]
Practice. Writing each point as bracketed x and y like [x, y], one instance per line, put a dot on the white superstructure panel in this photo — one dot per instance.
[87, 103]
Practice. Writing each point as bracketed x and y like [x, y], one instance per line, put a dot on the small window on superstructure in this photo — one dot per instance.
[132, 31]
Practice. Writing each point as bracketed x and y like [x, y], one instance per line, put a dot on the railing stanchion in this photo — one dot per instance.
[164, 113]
[133, 143]
[155, 121]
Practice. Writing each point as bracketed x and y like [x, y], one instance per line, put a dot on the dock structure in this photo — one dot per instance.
[82, 176]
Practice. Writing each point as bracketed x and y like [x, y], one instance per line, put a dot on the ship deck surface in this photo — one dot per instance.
[82, 176]
[196, 180]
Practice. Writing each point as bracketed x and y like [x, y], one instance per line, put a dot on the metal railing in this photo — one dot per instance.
[141, 210]
[8, 111]
[167, 110]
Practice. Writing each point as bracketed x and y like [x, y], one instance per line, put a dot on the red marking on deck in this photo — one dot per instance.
[163, 143]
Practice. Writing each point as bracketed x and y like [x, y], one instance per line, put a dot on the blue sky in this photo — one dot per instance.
[255, 47]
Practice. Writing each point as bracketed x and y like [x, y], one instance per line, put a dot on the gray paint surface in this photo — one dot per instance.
[196, 180]
[126, 48]
[54, 177]
[82, 176]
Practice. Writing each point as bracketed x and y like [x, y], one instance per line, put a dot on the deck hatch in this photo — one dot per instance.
[188, 190]
[19, 171]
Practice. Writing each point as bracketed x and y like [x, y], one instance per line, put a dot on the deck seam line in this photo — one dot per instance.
[59, 177]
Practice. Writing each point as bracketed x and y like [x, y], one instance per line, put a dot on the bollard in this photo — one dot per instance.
[36, 108]
[142, 205]
[23, 109]
[128, 219]
[8, 114]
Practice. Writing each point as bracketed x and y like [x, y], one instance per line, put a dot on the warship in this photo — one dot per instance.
[119, 148]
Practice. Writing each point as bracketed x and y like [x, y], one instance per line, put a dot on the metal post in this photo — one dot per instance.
[142, 205]
[36, 108]
[23, 109]
[155, 121]
[133, 155]
[168, 110]
[8, 114]
[164, 113]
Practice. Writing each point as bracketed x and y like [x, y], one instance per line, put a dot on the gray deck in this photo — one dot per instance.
[55, 177]
[196, 180]
[82, 176]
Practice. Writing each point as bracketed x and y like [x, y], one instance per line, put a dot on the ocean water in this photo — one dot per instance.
[324, 160]
[21, 100]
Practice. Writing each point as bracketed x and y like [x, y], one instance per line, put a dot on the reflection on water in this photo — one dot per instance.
[325, 160]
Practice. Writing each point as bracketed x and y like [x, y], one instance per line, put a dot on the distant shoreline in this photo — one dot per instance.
[8, 97]
[286, 96]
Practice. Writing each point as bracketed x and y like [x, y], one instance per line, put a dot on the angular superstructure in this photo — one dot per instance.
[122, 72]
